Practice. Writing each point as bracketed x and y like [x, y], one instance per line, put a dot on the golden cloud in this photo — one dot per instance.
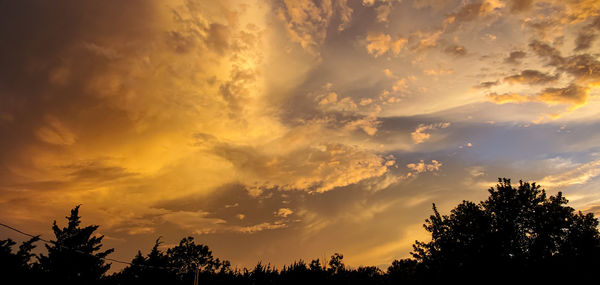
[531, 77]
[122, 132]
[578, 175]
[420, 135]
[422, 166]
[571, 95]
[380, 43]
[313, 168]
[583, 68]
[283, 212]
[307, 21]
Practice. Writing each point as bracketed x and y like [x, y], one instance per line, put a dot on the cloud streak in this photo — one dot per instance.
[532, 77]
[421, 135]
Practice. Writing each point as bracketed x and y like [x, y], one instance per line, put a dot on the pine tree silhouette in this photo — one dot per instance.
[74, 257]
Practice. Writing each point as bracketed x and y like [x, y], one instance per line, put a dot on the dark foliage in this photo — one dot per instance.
[74, 257]
[178, 265]
[516, 235]
[17, 266]
[150, 269]
[403, 271]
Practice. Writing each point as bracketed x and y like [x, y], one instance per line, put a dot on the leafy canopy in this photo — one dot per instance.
[515, 229]
[75, 255]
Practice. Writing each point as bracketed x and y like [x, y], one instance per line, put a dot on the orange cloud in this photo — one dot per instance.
[571, 95]
[283, 212]
[380, 43]
[422, 166]
[531, 77]
[420, 135]
[307, 22]
[578, 175]
[55, 132]
[317, 168]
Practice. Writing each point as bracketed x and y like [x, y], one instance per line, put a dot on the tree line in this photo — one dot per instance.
[518, 234]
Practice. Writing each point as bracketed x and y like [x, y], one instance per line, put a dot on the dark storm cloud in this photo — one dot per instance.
[532, 77]
[38, 36]
[46, 51]
[545, 50]
[487, 84]
[469, 12]
[520, 5]
[584, 67]
[97, 173]
[229, 201]
[515, 57]
[584, 40]
[572, 94]
[81, 176]
[587, 35]
[456, 50]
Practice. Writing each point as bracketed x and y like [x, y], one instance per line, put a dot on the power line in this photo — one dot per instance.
[82, 252]
[21, 232]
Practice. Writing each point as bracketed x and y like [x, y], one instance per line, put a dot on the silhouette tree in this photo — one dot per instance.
[261, 274]
[336, 265]
[300, 272]
[178, 265]
[315, 265]
[75, 256]
[364, 275]
[188, 257]
[402, 271]
[297, 273]
[152, 269]
[17, 266]
[515, 233]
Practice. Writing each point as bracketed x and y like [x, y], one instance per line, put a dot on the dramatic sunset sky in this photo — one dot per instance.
[277, 130]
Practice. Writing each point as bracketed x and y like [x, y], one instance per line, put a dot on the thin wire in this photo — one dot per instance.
[81, 252]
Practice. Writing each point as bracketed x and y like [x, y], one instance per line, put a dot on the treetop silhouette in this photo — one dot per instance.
[75, 255]
[518, 230]
[517, 234]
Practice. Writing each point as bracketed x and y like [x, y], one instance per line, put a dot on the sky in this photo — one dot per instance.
[282, 130]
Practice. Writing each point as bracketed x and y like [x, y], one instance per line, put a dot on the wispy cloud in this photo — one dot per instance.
[421, 133]
[578, 175]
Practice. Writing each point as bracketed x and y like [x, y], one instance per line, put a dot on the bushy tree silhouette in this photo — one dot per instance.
[151, 269]
[17, 265]
[402, 271]
[189, 256]
[75, 256]
[336, 264]
[515, 233]
[176, 265]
